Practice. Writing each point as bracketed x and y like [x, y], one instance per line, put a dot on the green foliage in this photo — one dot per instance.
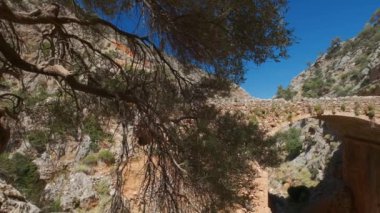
[106, 156]
[334, 47]
[361, 62]
[23, 174]
[375, 18]
[225, 53]
[342, 91]
[38, 96]
[62, 117]
[286, 94]
[216, 154]
[343, 107]
[45, 48]
[92, 127]
[318, 110]
[91, 160]
[289, 118]
[293, 143]
[370, 111]
[357, 108]
[38, 139]
[102, 187]
[316, 86]
[83, 168]
[94, 146]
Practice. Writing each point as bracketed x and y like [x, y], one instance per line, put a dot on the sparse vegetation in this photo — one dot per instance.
[106, 156]
[102, 187]
[342, 91]
[317, 85]
[83, 168]
[91, 160]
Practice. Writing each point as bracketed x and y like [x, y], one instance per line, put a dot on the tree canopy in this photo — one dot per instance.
[219, 35]
[158, 83]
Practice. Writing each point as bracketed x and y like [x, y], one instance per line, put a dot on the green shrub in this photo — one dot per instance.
[38, 139]
[94, 146]
[106, 156]
[343, 107]
[341, 91]
[334, 47]
[38, 96]
[286, 94]
[361, 62]
[61, 119]
[93, 128]
[318, 110]
[293, 143]
[46, 48]
[357, 108]
[215, 155]
[370, 112]
[83, 168]
[91, 160]
[102, 187]
[23, 174]
[316, 86]
[289, 118]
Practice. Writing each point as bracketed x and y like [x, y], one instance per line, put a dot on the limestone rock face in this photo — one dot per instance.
[45, 166]
[83, 148]
[13, 201]
[74, 191]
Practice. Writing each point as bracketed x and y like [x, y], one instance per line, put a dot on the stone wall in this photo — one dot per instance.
[274, 114]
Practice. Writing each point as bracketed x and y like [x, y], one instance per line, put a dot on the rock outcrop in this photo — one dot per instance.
[74, 191]
[12, 201]
[347, 68]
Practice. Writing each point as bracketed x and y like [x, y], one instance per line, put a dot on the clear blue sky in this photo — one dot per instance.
[315, 24]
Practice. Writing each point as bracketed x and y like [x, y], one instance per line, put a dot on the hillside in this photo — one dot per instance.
[347, 68]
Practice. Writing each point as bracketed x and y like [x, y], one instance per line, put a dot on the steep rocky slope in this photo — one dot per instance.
[347, 68]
